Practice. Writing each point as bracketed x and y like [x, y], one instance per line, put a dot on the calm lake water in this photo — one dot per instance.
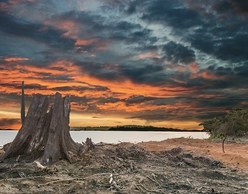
[115, 136]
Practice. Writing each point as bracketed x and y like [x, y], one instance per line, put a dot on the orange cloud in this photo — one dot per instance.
[70, 27]
[15, 59]
[44, 77]
[197, 73]
[12, 74]
[194, 67]
[209, 75]
[206, 75]
[86, 42]
[147, 55]
[99, 44]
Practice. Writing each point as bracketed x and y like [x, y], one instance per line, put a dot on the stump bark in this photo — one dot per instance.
[45, 135]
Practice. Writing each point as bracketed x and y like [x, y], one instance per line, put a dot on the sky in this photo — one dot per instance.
[169, 63]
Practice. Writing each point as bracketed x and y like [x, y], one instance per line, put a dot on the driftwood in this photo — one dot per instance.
[44, 135]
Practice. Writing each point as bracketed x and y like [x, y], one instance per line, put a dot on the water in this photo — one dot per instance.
[115, 136]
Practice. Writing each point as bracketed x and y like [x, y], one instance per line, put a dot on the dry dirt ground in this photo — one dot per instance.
[235, 156]
[172, 166]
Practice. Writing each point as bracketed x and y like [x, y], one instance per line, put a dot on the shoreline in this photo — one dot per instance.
[116, 136]
[127, 130]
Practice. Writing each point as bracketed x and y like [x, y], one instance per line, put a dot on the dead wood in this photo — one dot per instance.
[223, 144]
[44, 135]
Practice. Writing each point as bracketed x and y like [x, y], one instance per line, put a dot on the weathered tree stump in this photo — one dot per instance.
[44, 135]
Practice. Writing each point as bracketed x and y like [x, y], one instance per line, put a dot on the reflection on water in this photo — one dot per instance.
[115, 136]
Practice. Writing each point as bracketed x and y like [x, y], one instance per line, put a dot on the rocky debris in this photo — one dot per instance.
[125, 168]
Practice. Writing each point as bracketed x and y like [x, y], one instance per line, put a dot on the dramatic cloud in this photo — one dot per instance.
[177, 53]
[159, 62]
[37, 32]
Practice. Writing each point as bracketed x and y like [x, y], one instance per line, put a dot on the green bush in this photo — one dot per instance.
[233, 123]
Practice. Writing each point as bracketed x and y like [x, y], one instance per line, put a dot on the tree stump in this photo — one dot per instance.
[45, 135]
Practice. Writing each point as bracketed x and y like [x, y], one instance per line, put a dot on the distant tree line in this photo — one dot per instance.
[130, 128]
[144, 128]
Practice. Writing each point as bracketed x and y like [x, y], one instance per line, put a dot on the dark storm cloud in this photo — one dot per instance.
[101, 70]
[90, 104]
[9, 97]
[80, 100]
[233, 83]
[222, 71]
[234, 6]
[221, 98]
[87, 48]
[223, 42]
[50, 77]
[27, 86]
[98, 27]
[225, 102]
[21, 47]
[241, 5]
[80, 88]
[153, 73]
[159, 115]
[131, 33]
[222, 102]
[38, 32]
[209, 109]
[213, 34]
[138, 99]
[144, 73]
[6, 122]
[177, 53]
[173, 13]
[232, 77]
[242, 71]
[164, 101]
[225, 37]
[210, 115]
[146, 48]
[154, 101]
[108, 100]
[164, 115]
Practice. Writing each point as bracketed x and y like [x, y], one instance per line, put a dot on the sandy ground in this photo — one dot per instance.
[235, 156]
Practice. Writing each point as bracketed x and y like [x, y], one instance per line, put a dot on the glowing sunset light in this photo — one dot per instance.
[161, 63]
